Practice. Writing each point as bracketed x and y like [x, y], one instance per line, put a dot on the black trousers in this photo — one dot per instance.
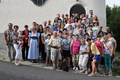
[41, 48]
[25, 51]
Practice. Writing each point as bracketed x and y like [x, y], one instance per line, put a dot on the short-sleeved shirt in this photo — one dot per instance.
[93, 38]
[83, 48]
[82, 36]
[112, 40]
[71, 38]
[99, 46]
[9, 35]
[47, 46]
[107, 47]
[66, 44]
[54, 28]
[96, 49]
[44, 36]
[55, 41]
[15, 40]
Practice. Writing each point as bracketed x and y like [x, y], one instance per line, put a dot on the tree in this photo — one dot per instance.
[113, 21]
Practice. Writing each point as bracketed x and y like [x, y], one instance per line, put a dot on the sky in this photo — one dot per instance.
[112, 2]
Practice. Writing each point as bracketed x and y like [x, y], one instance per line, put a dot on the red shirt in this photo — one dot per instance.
[26, 33]
[99, 46]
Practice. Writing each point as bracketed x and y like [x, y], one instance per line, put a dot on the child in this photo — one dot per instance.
[66, 50]
[47, 50]
[20, 36]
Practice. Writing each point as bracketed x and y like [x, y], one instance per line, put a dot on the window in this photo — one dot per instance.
[38, 2]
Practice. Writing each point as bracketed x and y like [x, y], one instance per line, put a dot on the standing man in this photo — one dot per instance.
[25, 45]
[91, 15]
[56, 44]
[9, 41]
[49, 24]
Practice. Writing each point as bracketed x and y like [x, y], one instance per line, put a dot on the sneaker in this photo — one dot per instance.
[82, 71]
[73, 68]
[86, 72]
[76, 68]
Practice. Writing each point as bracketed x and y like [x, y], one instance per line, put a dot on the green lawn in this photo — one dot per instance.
[117, 54]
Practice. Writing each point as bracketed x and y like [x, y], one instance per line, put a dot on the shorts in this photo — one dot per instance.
[112, 59]
[75, 58]
[66, 53]
[55, 54]
[97, 57]
[48, 52]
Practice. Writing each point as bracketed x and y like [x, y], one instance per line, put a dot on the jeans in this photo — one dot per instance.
[107, 61]
[9, 46]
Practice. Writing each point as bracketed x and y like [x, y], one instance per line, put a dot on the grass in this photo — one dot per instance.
[117, 54]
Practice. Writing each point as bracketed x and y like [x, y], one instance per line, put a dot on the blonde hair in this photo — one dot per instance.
[105, 37]
[83, 40]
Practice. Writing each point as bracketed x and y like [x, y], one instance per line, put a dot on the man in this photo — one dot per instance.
[76, 30]
[55, 44]
[91, 15]
[34, 25]
[66, 16]
[107, 30]
[55, 27]
[9, 41]
[62, 16]
[25, 45]
[92, 37]
[69, 23]
[71, 37]
[81, 35]
[49, 24]
[44, 24]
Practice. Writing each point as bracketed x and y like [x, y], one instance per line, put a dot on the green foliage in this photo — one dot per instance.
[113, 21]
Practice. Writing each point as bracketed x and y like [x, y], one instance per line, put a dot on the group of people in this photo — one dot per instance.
[77, 41]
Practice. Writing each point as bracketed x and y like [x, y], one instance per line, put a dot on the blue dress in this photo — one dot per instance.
[33, 53]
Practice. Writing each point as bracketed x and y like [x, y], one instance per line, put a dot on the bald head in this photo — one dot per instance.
[78, 25]
[55, 33]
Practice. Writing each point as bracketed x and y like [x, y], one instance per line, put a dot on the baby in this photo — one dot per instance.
[20, 36]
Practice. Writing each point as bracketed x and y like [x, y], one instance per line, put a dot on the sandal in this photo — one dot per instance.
[90, 75]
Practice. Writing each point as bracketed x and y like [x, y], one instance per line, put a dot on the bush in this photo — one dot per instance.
[113, 21]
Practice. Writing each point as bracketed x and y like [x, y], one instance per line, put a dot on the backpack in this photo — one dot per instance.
[64, 67]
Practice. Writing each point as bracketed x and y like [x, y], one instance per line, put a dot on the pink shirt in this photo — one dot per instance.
[99, 46]
[76, 47]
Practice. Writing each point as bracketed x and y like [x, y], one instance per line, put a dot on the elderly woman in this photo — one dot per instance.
[84, 56]
[108, 51]
[33, 44]
[18, 50]
[74, 50]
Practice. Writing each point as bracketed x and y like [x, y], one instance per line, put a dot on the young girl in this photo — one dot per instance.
[20, 42]
[47, 50]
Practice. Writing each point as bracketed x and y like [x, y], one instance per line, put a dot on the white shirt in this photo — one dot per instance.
[67, 26]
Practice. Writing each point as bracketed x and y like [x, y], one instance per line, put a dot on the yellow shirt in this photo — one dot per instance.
[96, 49]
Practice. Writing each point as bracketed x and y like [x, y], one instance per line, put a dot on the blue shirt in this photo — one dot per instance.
[47, 46]
[54, 28]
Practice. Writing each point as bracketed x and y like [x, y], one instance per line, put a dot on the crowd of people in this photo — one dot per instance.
[79, 41]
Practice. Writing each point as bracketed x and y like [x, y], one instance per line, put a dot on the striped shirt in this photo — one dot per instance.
[9, 35]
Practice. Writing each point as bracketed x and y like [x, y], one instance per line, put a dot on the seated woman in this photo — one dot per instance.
[83, 58]
[96, 53]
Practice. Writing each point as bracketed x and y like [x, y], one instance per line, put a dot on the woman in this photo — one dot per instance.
[99, 45]
[74, 51]
[40, 31]
[114, 43]
[18, 50]
[33, 44]
[43, 38]
[64, 32]
[86, 37]
[95, 28]
[64, 21]
[84, 56]
[48, 30]
[95, 59]
[95, 19]
[101, 34]
[108, 51]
